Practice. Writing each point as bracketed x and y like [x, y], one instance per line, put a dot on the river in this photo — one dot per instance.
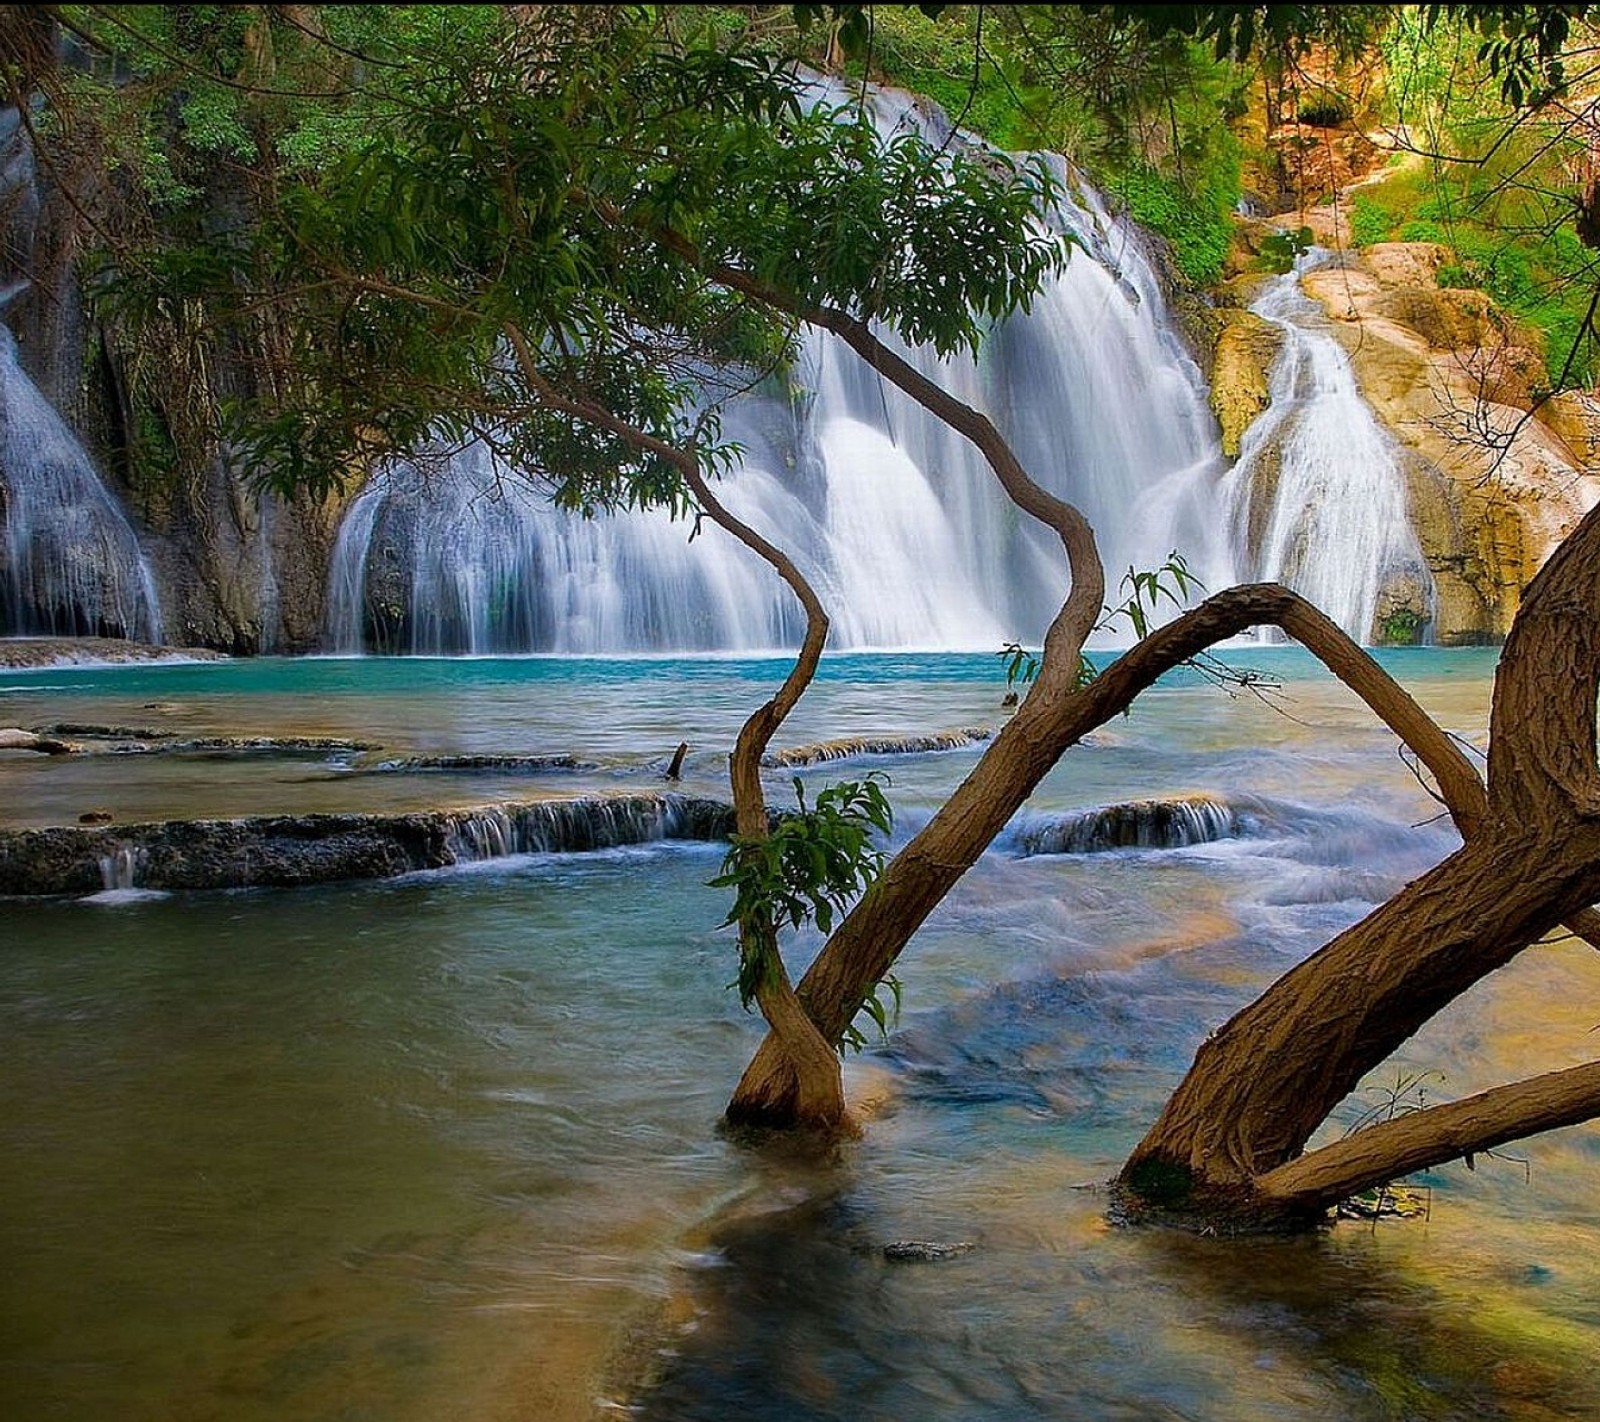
[445, 1146]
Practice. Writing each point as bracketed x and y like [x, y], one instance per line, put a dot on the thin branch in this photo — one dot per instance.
[1420, 1139]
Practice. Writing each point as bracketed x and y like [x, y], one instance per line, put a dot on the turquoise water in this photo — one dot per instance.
[425, 1149]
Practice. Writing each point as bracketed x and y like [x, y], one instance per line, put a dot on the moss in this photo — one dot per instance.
[1162, 1184]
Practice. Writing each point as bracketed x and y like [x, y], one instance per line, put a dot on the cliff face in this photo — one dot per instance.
[234, 570]
[1496, 480]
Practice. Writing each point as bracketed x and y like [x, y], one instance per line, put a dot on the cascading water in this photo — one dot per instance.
[72, 565]
[896, 520]
[1317, 497]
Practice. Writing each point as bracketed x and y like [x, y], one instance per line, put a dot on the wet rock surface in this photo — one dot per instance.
[820, 751]
[23, 652]
[529, 764]
[280, 851]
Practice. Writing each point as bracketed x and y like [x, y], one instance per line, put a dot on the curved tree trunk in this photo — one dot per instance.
[810, 1061]
[1263, 1083]
[1230, 1139]
[867, 942]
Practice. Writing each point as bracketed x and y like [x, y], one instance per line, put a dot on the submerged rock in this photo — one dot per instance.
[138, 740]
[286, 850]
[1135, 824]
[12, 738]
[531, 764]
[926, 1251]
[94, 730]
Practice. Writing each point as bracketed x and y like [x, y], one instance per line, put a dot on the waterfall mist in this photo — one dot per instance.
[895, 519]
[71, 565]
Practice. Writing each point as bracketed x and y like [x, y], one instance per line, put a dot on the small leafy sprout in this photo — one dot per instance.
[811, 867]
[1172, 580]
[1022, 666]
[1145, 590]
[884, 1016]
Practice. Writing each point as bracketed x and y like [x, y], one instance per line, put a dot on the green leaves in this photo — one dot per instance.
[1145, 591]
[1021, 665]
[1280, 251]
[812, 865]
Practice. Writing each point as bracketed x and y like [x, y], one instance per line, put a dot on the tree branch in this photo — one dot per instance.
[1440, 1133]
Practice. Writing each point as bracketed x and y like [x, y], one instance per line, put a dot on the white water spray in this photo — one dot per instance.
[1334, 526]
[72, 565]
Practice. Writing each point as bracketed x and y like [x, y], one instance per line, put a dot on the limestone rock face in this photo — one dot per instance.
[1493, 485]
[1245, 350]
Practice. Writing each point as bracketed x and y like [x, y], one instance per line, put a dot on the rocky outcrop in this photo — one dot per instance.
[242, 571]
[235, 570]
[281, 851]
[1245, 349]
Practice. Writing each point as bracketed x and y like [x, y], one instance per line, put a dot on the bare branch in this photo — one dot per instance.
[1419, 1139]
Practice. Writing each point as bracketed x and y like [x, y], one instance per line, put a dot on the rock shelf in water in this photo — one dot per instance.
[23, 653]
[819, 751]
[1135, 824]
[132, 740]
[282, 851]
[529, 764]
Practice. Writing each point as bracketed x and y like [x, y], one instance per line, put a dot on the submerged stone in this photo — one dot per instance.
[926, 1251]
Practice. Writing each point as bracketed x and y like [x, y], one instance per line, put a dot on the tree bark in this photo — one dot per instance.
[1423, 1138]
[1266, 1080]
[871, 937]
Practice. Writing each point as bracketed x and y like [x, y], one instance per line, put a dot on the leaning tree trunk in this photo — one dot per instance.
[871, 937]
[1230, 1139]
[810, 1060]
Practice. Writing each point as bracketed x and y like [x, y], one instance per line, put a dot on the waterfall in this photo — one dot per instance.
[71, 563]
[896, 520]
[1318, 498]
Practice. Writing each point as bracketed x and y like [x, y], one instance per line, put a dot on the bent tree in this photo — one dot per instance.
[564, 230]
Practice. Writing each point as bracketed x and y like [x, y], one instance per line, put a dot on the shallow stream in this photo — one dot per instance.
[440, 1147]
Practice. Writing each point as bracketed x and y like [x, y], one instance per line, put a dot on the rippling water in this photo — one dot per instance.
[432, 1148]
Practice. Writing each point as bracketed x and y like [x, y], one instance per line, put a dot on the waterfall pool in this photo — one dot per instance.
[444, 1146]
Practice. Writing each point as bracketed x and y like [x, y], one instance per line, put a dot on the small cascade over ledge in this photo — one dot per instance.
[70, 564]
[1135, 824]
[283, 851]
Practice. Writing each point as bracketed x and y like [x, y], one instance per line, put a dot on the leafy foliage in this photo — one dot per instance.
[1022, 666]
[813, 864]
[883, 1015]
[1496, 186]
[1197, 223]
[532, 248]
[1146, 589]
